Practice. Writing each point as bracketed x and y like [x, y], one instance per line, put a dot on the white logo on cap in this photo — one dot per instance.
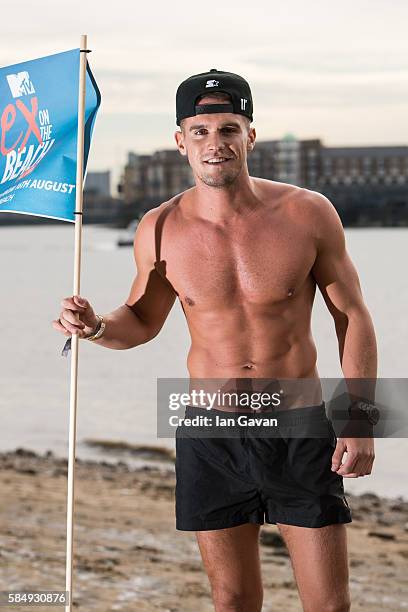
[243, 103]
[212, 83]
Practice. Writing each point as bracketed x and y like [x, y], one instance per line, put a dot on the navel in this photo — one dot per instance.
[189, 301]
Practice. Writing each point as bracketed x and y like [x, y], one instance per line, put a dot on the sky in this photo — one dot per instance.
[334, 71]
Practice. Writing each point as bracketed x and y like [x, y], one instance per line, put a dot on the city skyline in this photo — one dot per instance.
[320, 71]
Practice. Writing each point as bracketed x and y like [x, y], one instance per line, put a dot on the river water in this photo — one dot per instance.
[117, 389]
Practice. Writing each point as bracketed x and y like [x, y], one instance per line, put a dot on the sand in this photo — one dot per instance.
[129, 556]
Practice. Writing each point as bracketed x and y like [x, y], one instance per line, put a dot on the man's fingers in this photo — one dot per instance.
[67, 325]
[67, 329]
[356, 465]
[82, 302]
[69, 321]
[59, 327]
[75, 303]
[338, 454]
[349, 465]
[71, 317]
[360, 457]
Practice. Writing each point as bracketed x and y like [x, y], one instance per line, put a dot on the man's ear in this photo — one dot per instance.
[251, 139]
[179, 137]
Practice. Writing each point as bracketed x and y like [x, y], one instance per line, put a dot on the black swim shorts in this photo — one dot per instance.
[250, 477]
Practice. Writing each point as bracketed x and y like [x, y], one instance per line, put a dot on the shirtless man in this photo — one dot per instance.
[244, 255]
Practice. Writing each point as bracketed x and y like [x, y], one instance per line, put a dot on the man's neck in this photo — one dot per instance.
[223, 204]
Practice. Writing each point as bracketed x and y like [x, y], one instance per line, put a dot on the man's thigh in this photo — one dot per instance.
[320, 564]
[232, 562]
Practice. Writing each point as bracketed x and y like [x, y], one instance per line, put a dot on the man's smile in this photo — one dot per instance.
[217, 160]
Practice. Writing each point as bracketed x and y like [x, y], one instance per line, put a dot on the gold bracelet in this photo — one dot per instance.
[99, 330]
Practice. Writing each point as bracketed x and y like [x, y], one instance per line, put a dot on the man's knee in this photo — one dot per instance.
[227, 598]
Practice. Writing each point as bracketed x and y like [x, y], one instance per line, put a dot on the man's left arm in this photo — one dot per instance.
[339, 285]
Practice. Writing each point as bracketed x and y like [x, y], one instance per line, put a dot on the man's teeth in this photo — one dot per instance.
[217, 160]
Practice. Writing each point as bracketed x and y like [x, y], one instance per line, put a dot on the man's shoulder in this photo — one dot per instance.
[313, 198]
[160, 212]
[292, 193]
[273, 189]
[301, 200]
[277, 190]
[318, 213]
[310, 208]
[317, 205]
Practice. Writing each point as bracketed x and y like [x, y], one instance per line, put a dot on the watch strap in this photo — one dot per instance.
[100, 328]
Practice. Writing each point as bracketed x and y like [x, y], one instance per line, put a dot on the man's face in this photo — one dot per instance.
[216, 145]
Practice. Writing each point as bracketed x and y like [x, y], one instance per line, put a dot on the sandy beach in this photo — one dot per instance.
[129, 556]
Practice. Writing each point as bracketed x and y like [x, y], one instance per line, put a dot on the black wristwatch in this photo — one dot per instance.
[369, 409]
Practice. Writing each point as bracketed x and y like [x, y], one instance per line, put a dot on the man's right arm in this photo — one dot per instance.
[150, 299]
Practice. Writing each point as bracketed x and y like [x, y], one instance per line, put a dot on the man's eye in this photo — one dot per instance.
[198, 132]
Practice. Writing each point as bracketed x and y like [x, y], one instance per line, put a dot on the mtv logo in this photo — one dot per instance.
[212, 83]
[20, 84]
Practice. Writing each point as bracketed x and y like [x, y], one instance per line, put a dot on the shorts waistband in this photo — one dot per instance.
[292, 416]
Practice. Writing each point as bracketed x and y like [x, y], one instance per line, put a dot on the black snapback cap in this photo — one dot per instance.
[198, 85]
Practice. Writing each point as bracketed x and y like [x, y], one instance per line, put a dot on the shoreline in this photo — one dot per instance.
[128, 553]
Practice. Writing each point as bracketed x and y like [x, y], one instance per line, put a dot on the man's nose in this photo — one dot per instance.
[215, 141]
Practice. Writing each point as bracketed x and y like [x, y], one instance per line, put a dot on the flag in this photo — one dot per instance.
[38, 134]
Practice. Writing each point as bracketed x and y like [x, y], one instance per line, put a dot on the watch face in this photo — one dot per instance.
[373, 415]
[372, 412]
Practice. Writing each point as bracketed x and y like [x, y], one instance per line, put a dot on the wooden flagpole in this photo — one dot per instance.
[75, 338]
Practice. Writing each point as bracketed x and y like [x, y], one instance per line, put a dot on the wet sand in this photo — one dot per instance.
[128, 555]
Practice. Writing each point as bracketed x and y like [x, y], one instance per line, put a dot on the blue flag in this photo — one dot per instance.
[38, 134]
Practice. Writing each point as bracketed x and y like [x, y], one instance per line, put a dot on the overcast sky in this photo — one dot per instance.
[318, 69]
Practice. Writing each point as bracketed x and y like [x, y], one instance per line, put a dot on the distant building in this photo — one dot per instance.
[364, 183]
[148, 180]
[98, 182]
[99, 206]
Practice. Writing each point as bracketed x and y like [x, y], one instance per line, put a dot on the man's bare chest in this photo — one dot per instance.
[259, 265]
